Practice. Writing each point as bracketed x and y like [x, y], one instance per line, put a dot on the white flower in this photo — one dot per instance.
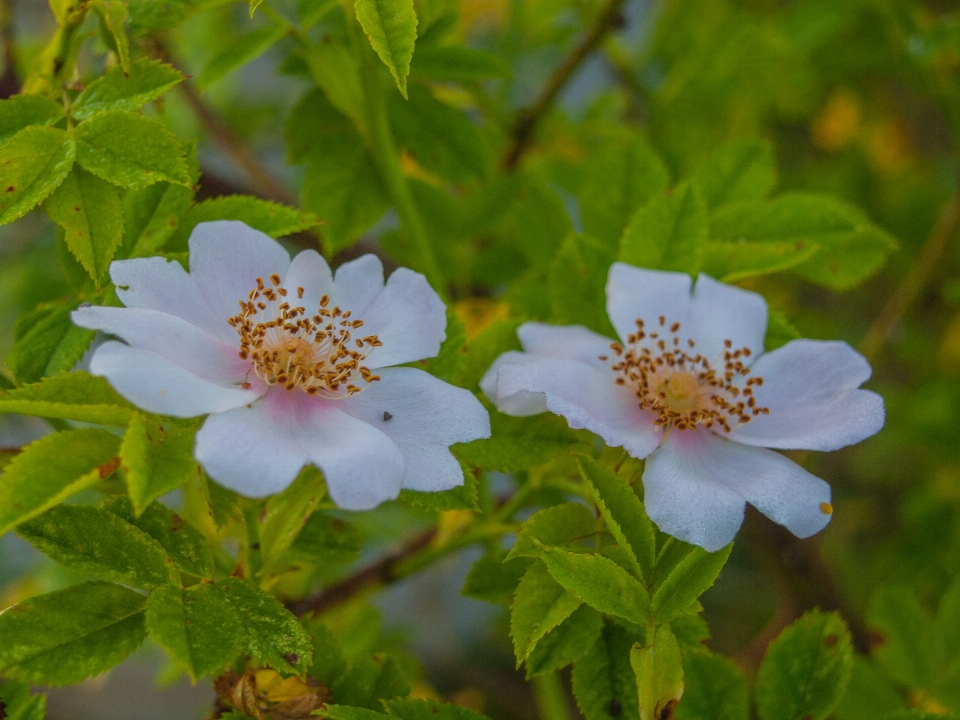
[689, 388]
[292, 363]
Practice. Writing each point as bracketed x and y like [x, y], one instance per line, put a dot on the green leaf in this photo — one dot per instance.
[391, 27]
[117, 90]
[462, 497]
[623, 513]
[368, 682]
[148, 16]
[907, 644]
[918, 715]
[603, 681]
[869, 695]
[600, 583]
[97, 543]
[659, 674]
[947, 621]
[19, 704]
[493, 579]
[33, 163]
[328, 661]
[19, 111]
[732, 262]
[578, 279]
[196, 626]
[151, 215]
[487, 346]
[518, 443]
[558, 525]
[417, 709]
[284, 516]
[72, 396]
[157, 459]
[687, 581]
[779, 331]
[668, 233]
[850, 247]
[716, 688]
[113, 14]
[739, 171]
[539, 605]
[91, 215]
[333, 66]
[52, 469]
[185, 545]
[805, 670]
[566, 643]
[455, 63]
[327, 541]
[618, 180]
[272, 633]
[34, 349]
[65, 637]
[130, 150]
[243, 50]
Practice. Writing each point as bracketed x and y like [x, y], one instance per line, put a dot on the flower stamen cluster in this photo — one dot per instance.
[681, 387]
[289, 347]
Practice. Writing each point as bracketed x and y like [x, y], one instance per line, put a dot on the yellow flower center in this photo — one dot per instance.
[287, 346]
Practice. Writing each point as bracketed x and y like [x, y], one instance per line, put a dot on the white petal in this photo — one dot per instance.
[409, 318]
[721, 312]
[227, 257]
[565, 342]
[310, 272]
[155, 384]
[159, 284]
[810, 387]
[586, 397]
[171, 338]
[518, 404]
[646, 295]
[258, 450]
[358, 282]
[424, 416]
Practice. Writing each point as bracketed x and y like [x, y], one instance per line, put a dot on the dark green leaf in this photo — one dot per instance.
[240, 52]
[147, 16]
[869, 695]
[554, 526]
[73, 396]
[487, 346]
[907, 643]
[391, 27]
[454, 63]
[416, 709]
[567, 642]
[739, 171]
[284, 515]
[492, 580]
[539, 605]
[117, 90]
[19, 704]
[668, 233]
[157, 459]
[735, 261]
[33, 163]
[368, 682]
[603, 681]
[578, 279]
[151, 215]
[328, 661]
[716, 688]
[327, 541]
[19, 111]
[518, 443]
[779, 331]
[687, 581]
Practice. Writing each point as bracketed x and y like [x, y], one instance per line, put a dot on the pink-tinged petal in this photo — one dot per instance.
[171, 338]
[227, 257]
[358, 282]
[159, 284]
[258, 450]
[409, 318]
[586, 397]
[565, 342]
[810, 387]
[423, 416]
[633, 293]
[308, 271]
[520, 403]
[720, 312]
[155, 384]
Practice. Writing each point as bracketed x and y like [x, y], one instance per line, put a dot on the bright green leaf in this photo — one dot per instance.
[687, 581]
[739, 171]
[494, 580]
[418, 709]
[603, 681]
[391, 27]
[869, 695]
[668, 233]
[554, 526]
[482, 350]
[243, 50]
[72, 396]
[567, 642]
[117, 90]
[156, 459]
[455, 63]
[735, 261]
[35, 349]
[539, 605]
[578, 279]
[334, 68]
[326, 540]
[113, 14]
[19, 704]
[151, 215]
[33, 163]
[908, 646]
[19, 111]
[659, 674]
[517, 443]
[284, 516]
[716, 688]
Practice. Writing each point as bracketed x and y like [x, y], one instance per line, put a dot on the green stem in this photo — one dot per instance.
[251, 512]
[550, 697]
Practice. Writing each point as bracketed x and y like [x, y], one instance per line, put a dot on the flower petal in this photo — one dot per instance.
[810, 387]
[409, 318]
[423, 416]
[259, 449]
[358, 282]
[519, 404]
[171, 338]
[155, 384]
[646, 295]
[586, 397]
[565, 342]
[308, 271]
[227, 257]
[721, 312]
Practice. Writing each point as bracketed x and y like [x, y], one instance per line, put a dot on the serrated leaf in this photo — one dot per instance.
[455, 63]
[869, 694]
[805, 670]
[33, 163]
[780, 331]
[716, 688]
[659, 674]
[97, 543]
[391, 27]
[566, 643]
[739, 171]
[482, 350]
[600, 583]
[493, 579]
[333, 66]
[327, 541]
[19, 704]
[518, 443]
[156, 459]
[691, 577]
[578, 277]
[19, 111]
[151, 215]
[116, 90]
[243, 50]
[65, 637]
[284, 515]
[73, 396]
[368, 682]
[553, 526]
[539, 605]
[91, 215]
[603, 681]
[130, 150]
[907, 645]
[53, 468]
[429, 709]
[668, 233]
[623, 513]
[732, 262]
[346, 712]
[35, 348]
[272, 633]
[114, 15]
[462, 497]
[196, 626]
[148, 16]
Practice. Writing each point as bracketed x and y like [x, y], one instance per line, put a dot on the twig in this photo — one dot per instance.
[916, 280]
[608, 19]
[9, 82]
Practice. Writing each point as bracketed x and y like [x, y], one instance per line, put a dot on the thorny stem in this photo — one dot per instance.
[610, 18]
